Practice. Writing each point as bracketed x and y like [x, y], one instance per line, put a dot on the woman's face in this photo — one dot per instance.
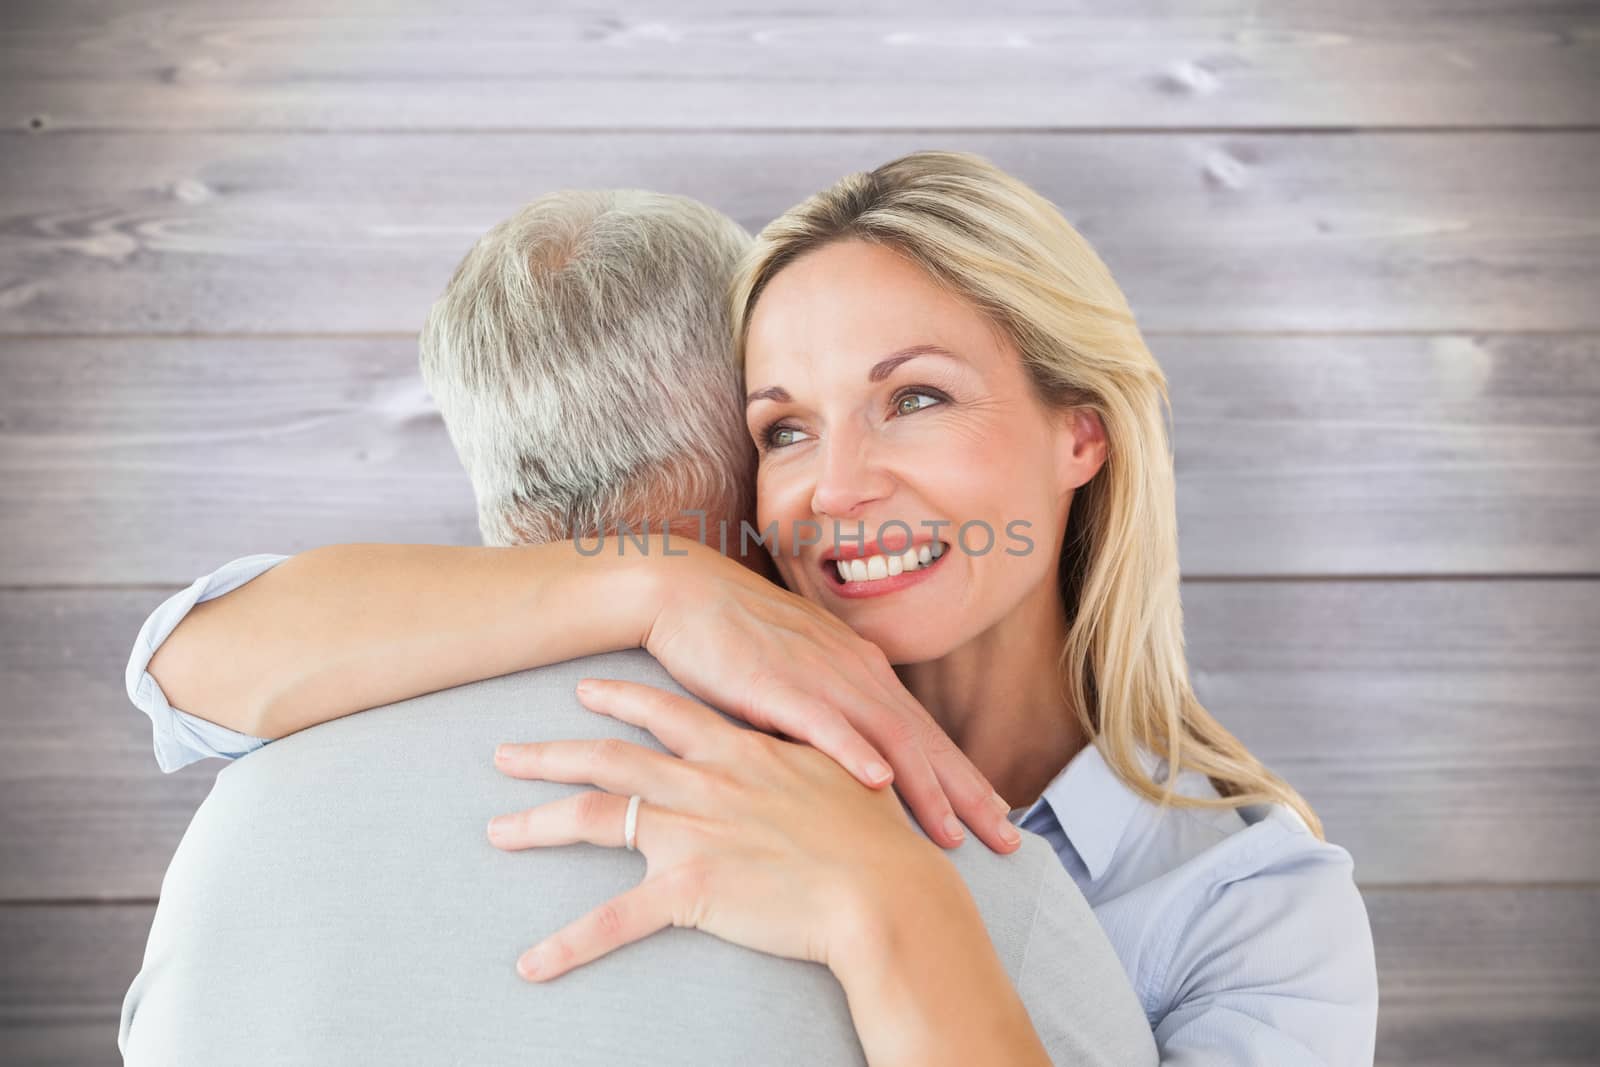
[877, 395]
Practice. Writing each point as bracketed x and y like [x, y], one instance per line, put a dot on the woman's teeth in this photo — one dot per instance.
[873, 568]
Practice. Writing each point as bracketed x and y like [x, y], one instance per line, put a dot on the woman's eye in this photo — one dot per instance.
[783, 436]
[911, 403]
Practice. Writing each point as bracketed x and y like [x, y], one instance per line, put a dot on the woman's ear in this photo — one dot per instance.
[1080, 446]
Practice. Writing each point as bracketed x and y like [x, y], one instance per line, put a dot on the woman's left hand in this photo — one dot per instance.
[763, 842]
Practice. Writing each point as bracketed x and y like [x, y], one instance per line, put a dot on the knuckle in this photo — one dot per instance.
[747, 744]
[814, 761]
[937, 743]
[609, 920]
[764, 681]
[718, 789]
[591, 807]
[605, 751]
[562, 953]
[877, 659]
[904, 732]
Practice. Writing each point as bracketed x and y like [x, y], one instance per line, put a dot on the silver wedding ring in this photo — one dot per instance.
[630, 825]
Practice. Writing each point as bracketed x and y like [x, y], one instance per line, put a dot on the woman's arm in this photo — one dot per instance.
[924, 983]
[339, 629]
[345, 628]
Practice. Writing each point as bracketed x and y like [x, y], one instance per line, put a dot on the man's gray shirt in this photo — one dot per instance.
[336, 900]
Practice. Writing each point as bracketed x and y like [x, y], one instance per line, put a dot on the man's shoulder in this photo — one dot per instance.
[1007, 888]
[551, 689]
[466, 721]
[545, 691]
[628, 664]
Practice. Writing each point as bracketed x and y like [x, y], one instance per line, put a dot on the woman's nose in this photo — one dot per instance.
[848, 479]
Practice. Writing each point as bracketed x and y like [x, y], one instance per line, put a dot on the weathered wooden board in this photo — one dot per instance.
[153, 460]
[1241, 232]
[157, 460]
[1444, 731]
[1370, 455]
[1491, 976]
[64, 970]
[1470, 977]
[497, 65]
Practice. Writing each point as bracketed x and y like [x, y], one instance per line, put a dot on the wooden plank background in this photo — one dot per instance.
[1363, 237]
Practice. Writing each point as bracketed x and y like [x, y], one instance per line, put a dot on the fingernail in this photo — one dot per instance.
[530, 963]
[584, 687]
[1000, 804]
[502, 754]
[952, 826]
[1008, 834]
[877, 773]
[496, 824]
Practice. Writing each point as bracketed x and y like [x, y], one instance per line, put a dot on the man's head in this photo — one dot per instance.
[583, 361]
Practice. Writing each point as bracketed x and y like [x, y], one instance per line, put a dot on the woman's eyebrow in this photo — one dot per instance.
[880, 370]
[771, 392]
[884, 367]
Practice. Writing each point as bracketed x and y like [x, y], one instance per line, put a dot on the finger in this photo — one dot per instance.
[966, 792]
[684, 726]
[920, 787]
[608, 762]
[593, 817]
[636, 914]
[804, 717]
[975, 801]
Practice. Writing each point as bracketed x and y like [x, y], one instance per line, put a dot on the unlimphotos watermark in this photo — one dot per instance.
[975, 537]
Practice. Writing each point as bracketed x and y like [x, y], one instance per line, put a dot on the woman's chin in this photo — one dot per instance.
[904, 635]
[902, 647]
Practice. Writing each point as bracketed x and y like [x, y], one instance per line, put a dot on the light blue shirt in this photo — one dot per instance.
[1245, 938]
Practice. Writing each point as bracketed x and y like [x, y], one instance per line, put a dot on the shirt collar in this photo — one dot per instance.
[1092, 805]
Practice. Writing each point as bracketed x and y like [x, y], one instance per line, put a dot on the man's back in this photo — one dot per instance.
[336, 900]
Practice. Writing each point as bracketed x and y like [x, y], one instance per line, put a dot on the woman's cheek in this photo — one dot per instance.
[782, 502]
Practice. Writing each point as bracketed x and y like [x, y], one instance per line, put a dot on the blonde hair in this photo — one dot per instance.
[1010, 253]
[583, 362]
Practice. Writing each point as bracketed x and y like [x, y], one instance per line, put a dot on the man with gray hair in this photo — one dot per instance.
[581, 358]
[335, 899]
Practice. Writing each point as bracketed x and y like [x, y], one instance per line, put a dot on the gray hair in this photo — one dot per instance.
[582, 358]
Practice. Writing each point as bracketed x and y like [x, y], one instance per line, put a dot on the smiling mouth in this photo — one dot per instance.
[864, 571]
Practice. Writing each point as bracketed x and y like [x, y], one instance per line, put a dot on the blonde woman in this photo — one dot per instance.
[963, 472]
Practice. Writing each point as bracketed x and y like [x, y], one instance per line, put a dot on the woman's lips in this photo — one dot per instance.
[883, 573]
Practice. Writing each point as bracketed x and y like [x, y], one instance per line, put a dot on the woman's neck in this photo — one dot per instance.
[1001, 700]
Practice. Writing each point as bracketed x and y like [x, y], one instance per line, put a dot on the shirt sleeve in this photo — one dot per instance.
[1275, 969]
[181, 738]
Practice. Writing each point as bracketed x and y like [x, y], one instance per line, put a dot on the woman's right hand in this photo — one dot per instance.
[785, 665]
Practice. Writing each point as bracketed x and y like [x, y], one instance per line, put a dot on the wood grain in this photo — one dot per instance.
[154, 460]
[1444, 731]
[495, 65]
[64, 970]
[1492, 976]
[1470, 977]
[166, 234]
